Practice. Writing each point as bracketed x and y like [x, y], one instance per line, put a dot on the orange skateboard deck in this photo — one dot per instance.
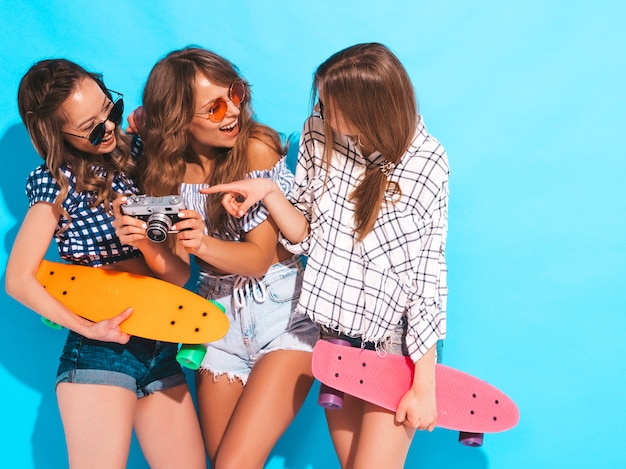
[464, 402]
[161, 310]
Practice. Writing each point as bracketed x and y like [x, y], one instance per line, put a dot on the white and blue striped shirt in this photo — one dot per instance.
[237, 227]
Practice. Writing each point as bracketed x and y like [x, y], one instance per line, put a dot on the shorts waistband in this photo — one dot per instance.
[241, 286]
[211, 277]
[393, 344]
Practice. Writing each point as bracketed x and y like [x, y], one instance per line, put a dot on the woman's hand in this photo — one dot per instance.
[418, 410]
[239, 196]
[190, 230]
[108, 330]
[418, 407]
[136, 120]
[130, 230]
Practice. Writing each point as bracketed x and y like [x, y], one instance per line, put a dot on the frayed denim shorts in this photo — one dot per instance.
[143, 366]
[395, 344]
[261, 316]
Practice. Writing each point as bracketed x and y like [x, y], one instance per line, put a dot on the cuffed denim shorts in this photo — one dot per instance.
[143, 366]
[260, 312]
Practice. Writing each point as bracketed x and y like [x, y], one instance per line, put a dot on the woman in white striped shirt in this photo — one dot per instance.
[370, 211]
[199, 130]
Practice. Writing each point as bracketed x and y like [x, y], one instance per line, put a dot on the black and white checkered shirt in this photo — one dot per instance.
[365, 289]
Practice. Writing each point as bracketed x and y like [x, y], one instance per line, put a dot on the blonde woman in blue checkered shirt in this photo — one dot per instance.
[108, 383]
[370, 211]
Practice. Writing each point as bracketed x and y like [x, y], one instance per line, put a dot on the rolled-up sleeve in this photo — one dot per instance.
[427, 308]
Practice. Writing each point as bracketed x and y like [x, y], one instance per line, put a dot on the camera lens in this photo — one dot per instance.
[158, 226]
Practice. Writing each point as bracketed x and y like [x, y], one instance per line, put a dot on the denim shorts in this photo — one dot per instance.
[260, 312]
[395, 344]
[143, 366]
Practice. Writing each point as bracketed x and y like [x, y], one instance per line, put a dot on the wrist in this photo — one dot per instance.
[203, 249]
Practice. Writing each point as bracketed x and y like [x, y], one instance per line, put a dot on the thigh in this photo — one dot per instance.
[98, 422]
[217, 397]
[168, 431]
[344, 426]
[382, 441]
[276, 389]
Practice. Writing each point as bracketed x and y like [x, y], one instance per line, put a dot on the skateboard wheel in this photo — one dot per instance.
[191, 355]
[471, 439]
[328, 397]
[51, 324]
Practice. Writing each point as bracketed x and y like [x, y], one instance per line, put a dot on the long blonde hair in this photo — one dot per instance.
[41, 94]
[373, 91]
[169, 104]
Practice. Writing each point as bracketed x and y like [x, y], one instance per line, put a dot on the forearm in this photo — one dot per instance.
[418, 407]
[424, 377]
[165, 263]
[290, 221]
[29, 292]
[235, 257]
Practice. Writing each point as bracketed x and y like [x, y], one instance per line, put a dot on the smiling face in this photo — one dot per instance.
[205, 136]
[84, 109]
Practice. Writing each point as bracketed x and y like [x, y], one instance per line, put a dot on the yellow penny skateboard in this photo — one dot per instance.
[161, 310]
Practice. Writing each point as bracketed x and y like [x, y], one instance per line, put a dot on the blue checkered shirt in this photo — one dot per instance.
[90, 238]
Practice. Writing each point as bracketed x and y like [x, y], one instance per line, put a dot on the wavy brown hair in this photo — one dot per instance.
[169, 105]
[42, 92]
[373, 91]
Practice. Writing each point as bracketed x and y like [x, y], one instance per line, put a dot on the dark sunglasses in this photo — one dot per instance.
[219, 107]
[115, 115]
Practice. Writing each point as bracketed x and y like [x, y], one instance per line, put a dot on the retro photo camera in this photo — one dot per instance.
[159, 213]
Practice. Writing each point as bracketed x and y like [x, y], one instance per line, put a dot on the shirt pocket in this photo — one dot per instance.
[384, 294]
[391, 256]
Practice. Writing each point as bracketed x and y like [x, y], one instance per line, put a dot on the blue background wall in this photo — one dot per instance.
[528, 98]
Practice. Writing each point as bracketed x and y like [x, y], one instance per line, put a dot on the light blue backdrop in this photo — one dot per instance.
[528, 98]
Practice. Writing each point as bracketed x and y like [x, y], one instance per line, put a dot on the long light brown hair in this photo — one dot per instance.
[169, 104]
[372, 90]
[42, 92]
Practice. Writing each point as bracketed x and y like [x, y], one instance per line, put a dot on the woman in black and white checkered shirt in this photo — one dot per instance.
[370, 211]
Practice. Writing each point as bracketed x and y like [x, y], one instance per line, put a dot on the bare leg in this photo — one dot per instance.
[383, 442]
[275, 391]
[168, 430]
[344, 426]
[367, 436]
[217, 398]
[98, 424]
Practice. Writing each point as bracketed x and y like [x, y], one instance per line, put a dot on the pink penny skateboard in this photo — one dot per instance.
[464, 403]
